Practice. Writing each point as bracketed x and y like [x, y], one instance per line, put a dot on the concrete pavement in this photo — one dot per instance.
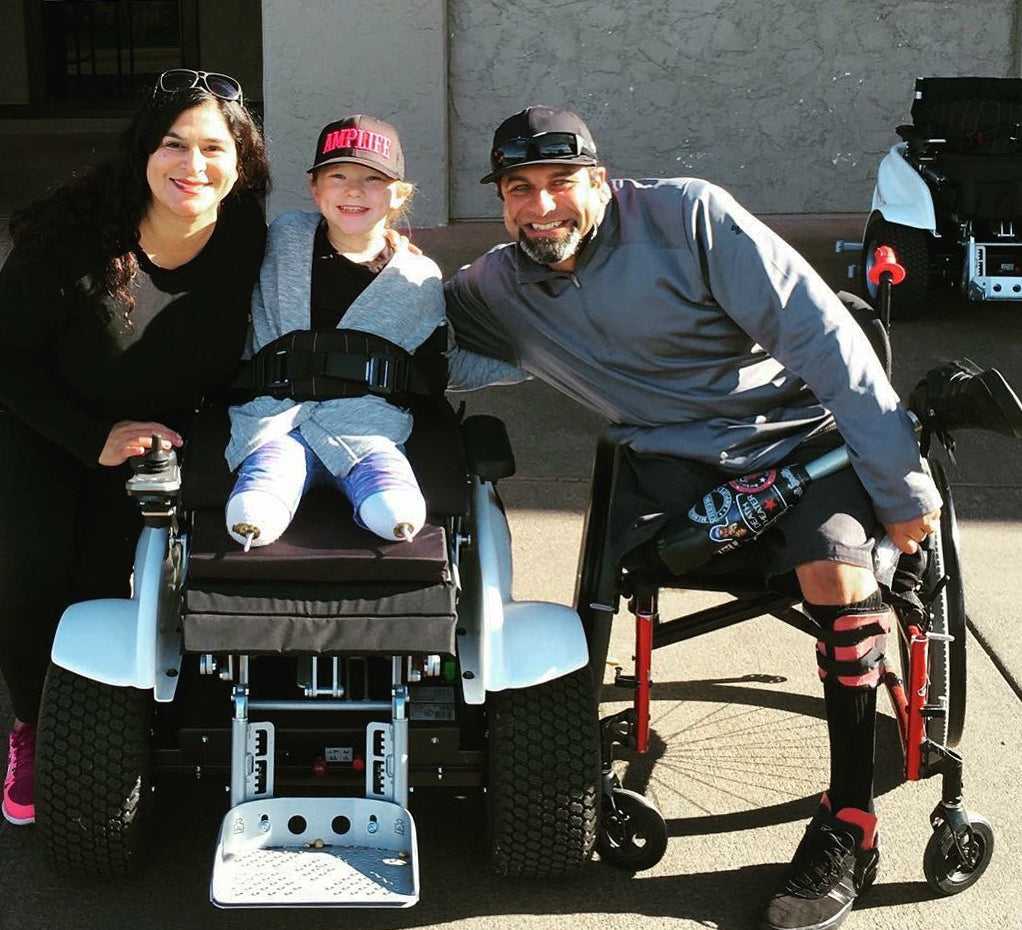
[739, 750]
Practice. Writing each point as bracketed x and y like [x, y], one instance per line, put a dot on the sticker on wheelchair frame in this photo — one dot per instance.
[715, 506]
[750, 484]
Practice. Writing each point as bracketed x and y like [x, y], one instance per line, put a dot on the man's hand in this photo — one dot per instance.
[399, 242]
[907, 534]
[130, 437]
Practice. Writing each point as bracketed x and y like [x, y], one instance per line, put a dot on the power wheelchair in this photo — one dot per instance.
[928, 697]
[948, 196]
[324, 678]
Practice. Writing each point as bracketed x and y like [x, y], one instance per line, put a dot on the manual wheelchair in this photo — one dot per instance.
[323, 678]
[928, 697]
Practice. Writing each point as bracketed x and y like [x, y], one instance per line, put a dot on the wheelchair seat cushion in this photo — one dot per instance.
[322, 544]
[291, 618]
[435, 450]
[326, 585]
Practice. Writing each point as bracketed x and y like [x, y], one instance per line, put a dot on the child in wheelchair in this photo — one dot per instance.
[378, 312]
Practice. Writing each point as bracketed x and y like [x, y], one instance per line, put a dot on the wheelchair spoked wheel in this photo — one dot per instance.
[544, 764]
[633, 833]
[950, 866]
[93, 787]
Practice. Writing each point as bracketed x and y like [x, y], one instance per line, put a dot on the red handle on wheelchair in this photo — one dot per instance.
[885, 273]
[886, 260]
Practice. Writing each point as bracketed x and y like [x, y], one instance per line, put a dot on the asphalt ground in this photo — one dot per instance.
[739, 746]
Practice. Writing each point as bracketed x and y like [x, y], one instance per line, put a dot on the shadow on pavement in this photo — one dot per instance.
[456, 882]
[790, 727]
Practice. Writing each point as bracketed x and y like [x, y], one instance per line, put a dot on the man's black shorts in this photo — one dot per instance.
[833, 521]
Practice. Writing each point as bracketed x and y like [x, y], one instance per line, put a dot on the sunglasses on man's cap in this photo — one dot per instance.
[540, 135]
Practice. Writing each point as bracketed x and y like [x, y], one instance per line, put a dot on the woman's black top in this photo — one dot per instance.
[71, 365]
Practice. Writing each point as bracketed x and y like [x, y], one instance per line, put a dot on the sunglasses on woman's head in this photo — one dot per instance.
[219, 85]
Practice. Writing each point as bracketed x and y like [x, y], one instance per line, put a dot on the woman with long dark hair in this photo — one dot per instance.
[124, 301]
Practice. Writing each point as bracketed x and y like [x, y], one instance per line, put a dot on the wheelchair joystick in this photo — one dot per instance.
[155, 481]
[885, 273]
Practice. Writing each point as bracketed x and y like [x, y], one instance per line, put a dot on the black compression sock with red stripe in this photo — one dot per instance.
[851, 721]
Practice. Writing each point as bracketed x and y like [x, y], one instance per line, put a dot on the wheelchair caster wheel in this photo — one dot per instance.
[950, 866]
[633, 834]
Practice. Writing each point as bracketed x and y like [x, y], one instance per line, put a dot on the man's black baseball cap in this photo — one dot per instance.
[361, 140]
[540, 136]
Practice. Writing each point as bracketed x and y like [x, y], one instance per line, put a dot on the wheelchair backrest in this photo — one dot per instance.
[976, 116]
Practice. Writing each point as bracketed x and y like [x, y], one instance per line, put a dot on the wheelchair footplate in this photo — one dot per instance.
[316, 852]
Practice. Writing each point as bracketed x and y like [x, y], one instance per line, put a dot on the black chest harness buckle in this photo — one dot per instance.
[305, 365]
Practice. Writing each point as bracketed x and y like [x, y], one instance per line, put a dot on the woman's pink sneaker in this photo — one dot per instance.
[19, 785]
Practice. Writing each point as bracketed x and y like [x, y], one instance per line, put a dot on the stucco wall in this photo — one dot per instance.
[13, 60]
[787, 103]
[323, 60]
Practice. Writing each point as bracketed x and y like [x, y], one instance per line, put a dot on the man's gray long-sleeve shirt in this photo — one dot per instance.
[699, 333]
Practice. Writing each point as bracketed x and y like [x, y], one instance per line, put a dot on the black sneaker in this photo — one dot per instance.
[829, 869]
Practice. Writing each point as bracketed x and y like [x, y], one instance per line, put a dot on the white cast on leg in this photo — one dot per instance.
[262, 516]
[394, 514]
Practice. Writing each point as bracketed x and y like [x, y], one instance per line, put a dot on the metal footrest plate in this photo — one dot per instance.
[316, 852]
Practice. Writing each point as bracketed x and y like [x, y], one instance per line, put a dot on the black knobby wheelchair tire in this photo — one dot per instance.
[954, 597]
[93, 788]
[544, 777]
[910, 245]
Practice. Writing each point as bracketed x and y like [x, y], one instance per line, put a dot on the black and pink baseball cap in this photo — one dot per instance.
[361, 140]
[540, 136]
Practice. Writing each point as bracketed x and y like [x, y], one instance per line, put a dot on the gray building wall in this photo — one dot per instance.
[787, 103]
[790, 104]
[324, 60]
[13, 57]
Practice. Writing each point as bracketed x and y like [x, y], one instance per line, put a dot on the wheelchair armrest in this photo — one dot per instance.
[487, 448]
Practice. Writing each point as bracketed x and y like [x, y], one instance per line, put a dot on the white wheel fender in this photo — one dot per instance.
[538, 642]
[901, 195]
[125, 641]
[507, 643]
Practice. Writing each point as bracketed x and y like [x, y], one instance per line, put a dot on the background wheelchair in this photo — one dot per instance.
[324, 678]
[948, 197]
[929, 696]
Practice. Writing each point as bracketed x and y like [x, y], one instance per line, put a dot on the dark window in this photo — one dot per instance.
[101, 52]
